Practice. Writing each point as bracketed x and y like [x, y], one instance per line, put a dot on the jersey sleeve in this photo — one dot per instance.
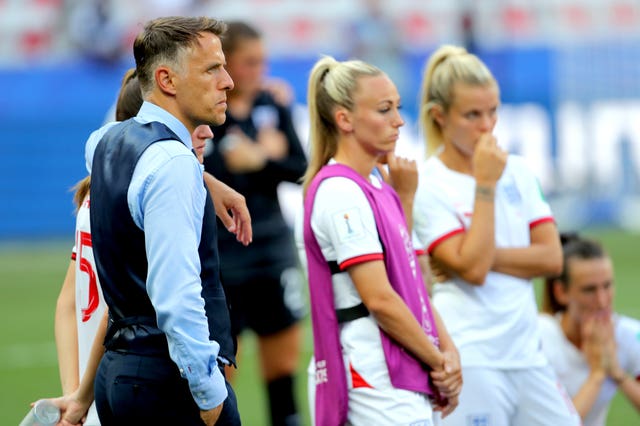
[434, 220]
[536, 206]
[629, 340]
[344, 224]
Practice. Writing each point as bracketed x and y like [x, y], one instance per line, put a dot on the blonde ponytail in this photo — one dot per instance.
[331, 85]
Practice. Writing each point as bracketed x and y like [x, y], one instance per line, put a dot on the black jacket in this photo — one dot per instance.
[272, 248]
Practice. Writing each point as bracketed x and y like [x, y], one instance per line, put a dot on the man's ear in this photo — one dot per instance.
[560, 292]
[165, 80]
[344, 121]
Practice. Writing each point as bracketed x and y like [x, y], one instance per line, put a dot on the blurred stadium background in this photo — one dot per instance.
[569, 72]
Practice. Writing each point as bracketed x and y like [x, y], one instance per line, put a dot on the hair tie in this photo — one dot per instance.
[324, 74]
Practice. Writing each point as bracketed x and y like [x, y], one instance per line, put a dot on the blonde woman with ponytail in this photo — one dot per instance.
[481, 217]
[381, 354]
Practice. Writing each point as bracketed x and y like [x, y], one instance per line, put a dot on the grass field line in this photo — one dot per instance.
[28, 355]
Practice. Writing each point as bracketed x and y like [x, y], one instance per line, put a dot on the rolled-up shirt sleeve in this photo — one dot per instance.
[166, 199]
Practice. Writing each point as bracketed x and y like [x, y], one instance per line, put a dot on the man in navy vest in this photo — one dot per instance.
[155, 242]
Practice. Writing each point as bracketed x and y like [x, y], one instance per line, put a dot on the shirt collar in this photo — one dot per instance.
[152, 112]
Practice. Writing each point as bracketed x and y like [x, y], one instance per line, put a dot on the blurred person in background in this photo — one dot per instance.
[95, 30]
[382, 356]
[487, 228]
[375, 39]
[594, 351]
[255, 150]
[104, 30]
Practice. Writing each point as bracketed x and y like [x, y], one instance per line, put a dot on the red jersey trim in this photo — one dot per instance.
[356, 379]
[420, 252]
[540, 221]
[73, 255]
[361, 259]
[444, 237]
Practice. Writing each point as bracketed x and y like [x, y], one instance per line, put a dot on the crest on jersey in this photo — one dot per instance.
[478, 420]
[348, 224]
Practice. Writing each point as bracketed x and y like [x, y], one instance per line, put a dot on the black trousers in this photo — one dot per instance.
[135, 389]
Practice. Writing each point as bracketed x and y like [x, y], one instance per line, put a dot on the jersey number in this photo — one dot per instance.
[87, 268]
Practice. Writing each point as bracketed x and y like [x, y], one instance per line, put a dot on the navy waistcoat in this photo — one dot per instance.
[119, 247]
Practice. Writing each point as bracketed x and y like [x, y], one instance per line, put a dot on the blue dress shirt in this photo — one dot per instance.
[166, 199]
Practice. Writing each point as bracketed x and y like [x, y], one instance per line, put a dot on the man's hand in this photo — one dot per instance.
[210, 417]
[231, 208]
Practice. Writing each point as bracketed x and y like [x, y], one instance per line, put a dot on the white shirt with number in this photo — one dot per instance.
[493, 325]
[90, 305]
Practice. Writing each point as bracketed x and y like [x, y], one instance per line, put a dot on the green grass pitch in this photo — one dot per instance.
[31, 275]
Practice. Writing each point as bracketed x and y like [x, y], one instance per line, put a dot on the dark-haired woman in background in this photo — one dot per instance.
[255, 150]
[594, 351]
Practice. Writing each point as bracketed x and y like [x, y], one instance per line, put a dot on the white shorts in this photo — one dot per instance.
[518, 397]
[379, 407]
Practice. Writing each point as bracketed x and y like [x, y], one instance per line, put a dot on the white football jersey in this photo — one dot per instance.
[493, 325]
[90, 305]
[572, 368]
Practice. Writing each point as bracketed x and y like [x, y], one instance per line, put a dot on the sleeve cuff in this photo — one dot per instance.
[212, 391]
[540, 221]
[442, 238]
[360, 259]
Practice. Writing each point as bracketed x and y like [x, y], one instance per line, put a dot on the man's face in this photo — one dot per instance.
[202, 84]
